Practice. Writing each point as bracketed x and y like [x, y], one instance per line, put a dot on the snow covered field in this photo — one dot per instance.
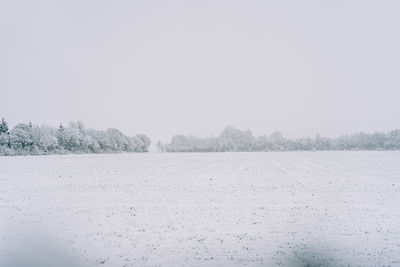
[211, 209]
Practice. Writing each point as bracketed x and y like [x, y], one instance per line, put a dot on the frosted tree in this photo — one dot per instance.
[3, 126]
[232, 139]
[145, 142]
[21, 137]
[44, 138]
[4, 139]
[116, 139]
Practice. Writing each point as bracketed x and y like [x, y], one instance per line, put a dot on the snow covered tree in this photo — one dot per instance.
[21, 137]
[145, 142]
[26, 139]
[116, 139]
[44, 138]
[3, 126]
[232, 139]
[4, 139]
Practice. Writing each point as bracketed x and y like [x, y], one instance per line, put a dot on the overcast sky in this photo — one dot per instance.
[166, 67]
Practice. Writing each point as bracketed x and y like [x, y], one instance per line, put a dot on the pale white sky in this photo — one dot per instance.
[166, 67]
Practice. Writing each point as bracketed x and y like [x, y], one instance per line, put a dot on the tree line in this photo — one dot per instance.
[233, 139]
[29, 139]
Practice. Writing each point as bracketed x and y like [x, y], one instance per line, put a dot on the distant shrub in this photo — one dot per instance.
[232, 139]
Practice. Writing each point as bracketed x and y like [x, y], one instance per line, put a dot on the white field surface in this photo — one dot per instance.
[210, 209]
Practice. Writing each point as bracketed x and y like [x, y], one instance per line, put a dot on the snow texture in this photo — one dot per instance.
[210, 209]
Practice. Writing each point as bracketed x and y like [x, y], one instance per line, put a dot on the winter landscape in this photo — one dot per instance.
[202, 209]
[199, 133]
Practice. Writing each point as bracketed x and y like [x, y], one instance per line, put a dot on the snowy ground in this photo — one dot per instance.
[211, 209]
